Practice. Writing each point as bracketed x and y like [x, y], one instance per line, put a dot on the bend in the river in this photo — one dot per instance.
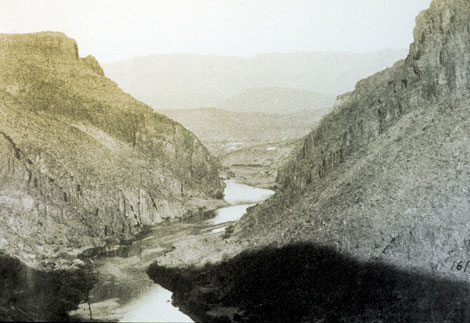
[124, 292]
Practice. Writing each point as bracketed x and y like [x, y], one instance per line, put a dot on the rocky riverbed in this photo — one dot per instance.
[124, 291]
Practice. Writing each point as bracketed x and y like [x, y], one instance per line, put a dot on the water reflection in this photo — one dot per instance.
[228, 214]
[156, 303]
[236, 194]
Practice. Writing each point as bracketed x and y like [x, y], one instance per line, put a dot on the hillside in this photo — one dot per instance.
[194, 81]
[82, 163]
[371, 220]
[385, 174]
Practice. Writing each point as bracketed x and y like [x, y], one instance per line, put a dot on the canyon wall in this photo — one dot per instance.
[371, 221]
[437, 67]
[82, 163]
[385, 176]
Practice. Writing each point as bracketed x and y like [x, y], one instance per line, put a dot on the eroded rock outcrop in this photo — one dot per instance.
[82, 163]
[385, 176]
[436, 68]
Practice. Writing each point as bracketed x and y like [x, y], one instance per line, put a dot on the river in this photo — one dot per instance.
[125, 293]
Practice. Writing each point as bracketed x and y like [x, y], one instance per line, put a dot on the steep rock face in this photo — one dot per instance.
[50, 46]
[386, 174]
[82, 163]
[436, 68]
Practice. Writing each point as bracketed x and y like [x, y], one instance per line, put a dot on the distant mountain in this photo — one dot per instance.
[277, 100]
[194, 81]
[218, 125]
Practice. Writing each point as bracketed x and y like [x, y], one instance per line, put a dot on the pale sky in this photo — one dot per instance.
[112, 30]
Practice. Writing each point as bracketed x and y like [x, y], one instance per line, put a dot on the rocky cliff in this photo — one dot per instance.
[371, 223]
[82, 163]
[386, 174]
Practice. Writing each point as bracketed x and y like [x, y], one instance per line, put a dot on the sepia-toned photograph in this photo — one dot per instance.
[235, 161]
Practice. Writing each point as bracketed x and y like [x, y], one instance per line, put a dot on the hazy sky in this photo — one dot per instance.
[117, 29]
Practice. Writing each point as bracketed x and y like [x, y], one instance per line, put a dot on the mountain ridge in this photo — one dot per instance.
[194, 81]
[84, 164]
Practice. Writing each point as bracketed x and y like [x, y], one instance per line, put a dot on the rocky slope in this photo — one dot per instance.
[82, 163]
[371, 221]
[386, 174]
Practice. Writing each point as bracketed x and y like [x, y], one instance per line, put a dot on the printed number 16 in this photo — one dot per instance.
[460, 265]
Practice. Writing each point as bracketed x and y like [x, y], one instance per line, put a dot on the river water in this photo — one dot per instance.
[154, 306]
[125, 293]
[240, 197]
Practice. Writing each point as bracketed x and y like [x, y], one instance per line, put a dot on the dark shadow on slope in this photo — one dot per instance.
[306, 283]
[27, 294]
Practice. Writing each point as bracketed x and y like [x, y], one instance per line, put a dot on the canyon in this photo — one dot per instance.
[83, 165]
[102, 196]
[251, 146]
[375, 202]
